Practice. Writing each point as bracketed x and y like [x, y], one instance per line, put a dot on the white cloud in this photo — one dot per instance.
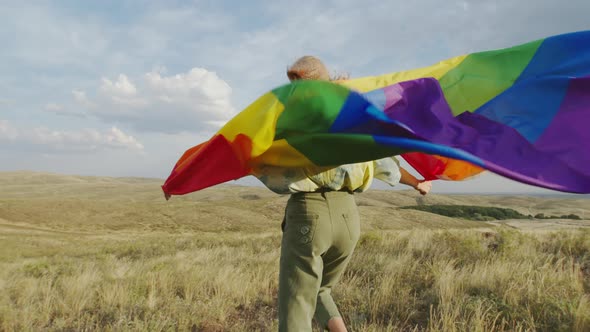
[81, 98]
[193, 101]
[122, 87]
[84, 140]
[53, 107]
[7, 132]
[48, 37]
[62, 110]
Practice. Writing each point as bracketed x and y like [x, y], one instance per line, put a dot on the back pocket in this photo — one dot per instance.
[352, 221]
[301, 227]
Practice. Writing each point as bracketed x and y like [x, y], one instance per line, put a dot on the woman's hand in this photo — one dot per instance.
[424, 187]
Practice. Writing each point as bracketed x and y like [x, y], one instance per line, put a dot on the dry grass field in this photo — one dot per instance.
[110, 254]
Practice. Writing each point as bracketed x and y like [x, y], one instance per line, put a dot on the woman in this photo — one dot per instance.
[321, 225]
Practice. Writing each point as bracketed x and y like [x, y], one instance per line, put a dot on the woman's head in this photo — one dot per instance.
[308, 68]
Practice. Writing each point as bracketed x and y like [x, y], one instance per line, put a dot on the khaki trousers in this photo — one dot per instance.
[320, 233]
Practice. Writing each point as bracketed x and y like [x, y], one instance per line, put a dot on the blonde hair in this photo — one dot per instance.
[308, 68]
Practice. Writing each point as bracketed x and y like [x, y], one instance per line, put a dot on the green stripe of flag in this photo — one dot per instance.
[482, 76]
[334, 149]
[310, 107]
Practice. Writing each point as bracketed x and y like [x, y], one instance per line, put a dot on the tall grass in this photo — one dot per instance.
[426, 280]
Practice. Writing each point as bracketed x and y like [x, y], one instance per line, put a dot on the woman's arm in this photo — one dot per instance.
[408, 179]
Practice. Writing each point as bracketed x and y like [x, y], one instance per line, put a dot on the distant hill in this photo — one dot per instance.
[88, 203]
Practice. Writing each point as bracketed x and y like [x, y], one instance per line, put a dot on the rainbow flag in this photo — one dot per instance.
[521, 112]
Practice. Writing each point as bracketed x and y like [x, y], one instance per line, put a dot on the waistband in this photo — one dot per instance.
[324, 192]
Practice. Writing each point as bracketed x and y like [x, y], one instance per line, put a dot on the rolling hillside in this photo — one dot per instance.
[83, 203]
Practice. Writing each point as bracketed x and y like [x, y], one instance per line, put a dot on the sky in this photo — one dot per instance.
[123, 88]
